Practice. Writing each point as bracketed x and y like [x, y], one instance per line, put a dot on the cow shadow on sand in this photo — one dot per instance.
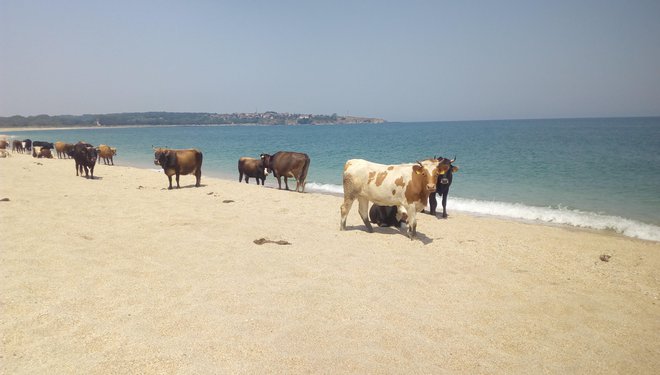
[183, 187]
[391, 231]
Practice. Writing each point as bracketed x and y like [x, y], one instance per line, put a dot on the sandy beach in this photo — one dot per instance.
[120, 275]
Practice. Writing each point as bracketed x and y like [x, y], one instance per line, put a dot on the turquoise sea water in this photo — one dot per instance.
[595, 173]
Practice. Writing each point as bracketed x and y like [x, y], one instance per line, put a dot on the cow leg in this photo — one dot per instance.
[247, 179]
[433, 203]
[198, 177]
[240, 177]
[91, 171]
[444, 204]
[412, 223]
[279, 183]
[169, 178]
[345, 209]
[177, 181]
[363, 210]
[286, 182]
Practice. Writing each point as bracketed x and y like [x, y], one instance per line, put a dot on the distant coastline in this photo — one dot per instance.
[43, 122]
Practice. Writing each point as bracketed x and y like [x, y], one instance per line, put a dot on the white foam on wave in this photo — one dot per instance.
[559, 215]
[315, 187]
[553, 215]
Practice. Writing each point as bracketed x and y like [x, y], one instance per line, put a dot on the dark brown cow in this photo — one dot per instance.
[178, 162]
[85, 156]
[44, 152]
[288, 164]
[17, 146]
[251, 167]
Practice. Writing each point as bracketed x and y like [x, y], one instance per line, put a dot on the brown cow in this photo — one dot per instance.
[106, 152]
[63, 149]
[251, 167]
[3, 144]
[43, 152]
[178, 162]
[406, 186]
[17, 146]
[288, 164]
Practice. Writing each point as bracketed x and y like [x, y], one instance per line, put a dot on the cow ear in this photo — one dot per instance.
[454, 169]
[417, 169]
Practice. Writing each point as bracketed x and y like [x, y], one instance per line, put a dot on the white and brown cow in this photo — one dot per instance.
[406, 186]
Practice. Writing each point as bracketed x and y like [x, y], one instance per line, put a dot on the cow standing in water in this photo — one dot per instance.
[406, 186]
[442, 189]
[178, 162]
[288, 164]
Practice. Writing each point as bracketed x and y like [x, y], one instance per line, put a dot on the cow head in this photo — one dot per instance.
[164, 157]
[446, 179]
[425, 173]
[266, 159]
[92, 155]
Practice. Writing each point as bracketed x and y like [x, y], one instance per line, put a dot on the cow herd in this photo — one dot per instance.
[398, 192]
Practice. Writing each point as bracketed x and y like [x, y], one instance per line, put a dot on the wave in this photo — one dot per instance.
[316, 187]
[559, 215]
[553, 215]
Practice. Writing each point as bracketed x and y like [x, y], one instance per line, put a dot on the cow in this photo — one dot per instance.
[406, 186]
[251, 167]
[17, 146]
[63, 149]
[85, 156]
[384, 216]
[178, 162]
[442, 189]
[27, 144]
[3, 144]
[106, 153]
[43, 152]
[288, 164]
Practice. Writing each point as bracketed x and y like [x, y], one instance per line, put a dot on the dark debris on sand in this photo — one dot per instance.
[262, 241]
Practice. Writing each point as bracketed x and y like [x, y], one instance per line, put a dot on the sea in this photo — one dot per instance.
[596, 173]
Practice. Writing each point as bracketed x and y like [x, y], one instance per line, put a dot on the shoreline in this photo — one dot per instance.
[228, 177]
[120, 275]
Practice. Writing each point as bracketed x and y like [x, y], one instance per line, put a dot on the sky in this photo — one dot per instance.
[397, 60]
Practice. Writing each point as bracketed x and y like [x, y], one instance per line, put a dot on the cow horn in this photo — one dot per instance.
[420, 163]
[452, 160]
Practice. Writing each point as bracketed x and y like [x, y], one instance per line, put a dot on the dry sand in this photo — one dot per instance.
[118, 275]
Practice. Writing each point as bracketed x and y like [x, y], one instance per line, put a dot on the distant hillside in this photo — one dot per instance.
[181, 118]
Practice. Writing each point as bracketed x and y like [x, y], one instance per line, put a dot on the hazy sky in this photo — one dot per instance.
[400, 60]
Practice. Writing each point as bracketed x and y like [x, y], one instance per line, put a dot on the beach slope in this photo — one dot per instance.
[120, 275]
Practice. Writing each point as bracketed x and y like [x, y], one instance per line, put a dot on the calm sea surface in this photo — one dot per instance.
[595, 173]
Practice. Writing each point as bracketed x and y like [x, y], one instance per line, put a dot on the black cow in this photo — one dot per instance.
[442, 188]
[28, 144]
[85, 156]
[288, 164]
[385, 216]
[49, 145]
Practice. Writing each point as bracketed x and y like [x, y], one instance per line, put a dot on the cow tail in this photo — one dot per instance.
[303, 175]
